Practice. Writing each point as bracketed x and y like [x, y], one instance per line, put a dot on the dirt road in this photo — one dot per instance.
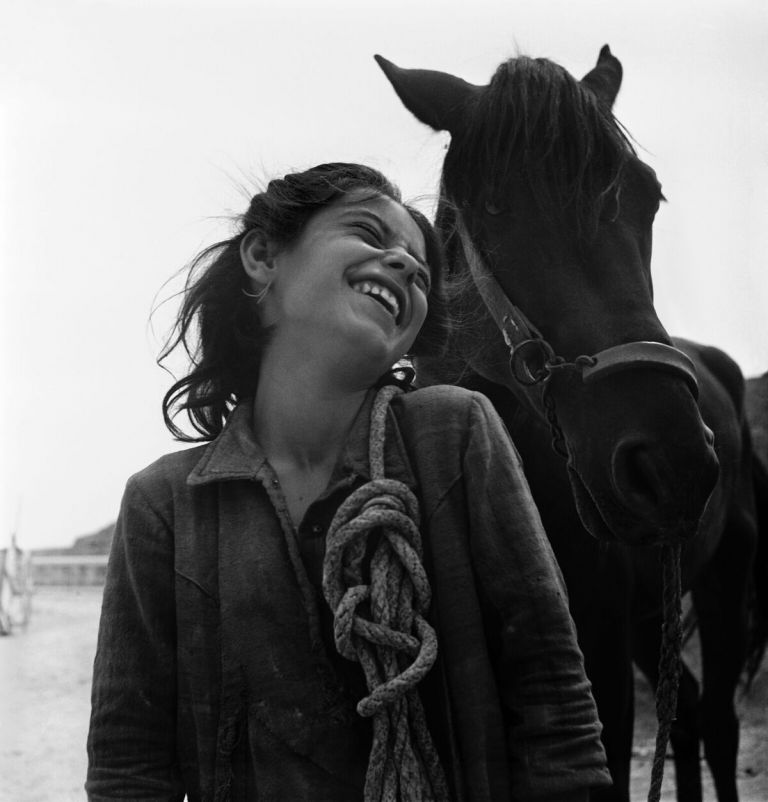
[45, 674]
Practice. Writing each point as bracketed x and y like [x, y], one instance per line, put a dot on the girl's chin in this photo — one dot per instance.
[377, 342]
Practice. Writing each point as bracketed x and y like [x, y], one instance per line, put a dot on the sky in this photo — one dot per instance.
[132, 131]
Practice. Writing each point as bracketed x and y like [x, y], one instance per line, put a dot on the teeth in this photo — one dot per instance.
[381, 294]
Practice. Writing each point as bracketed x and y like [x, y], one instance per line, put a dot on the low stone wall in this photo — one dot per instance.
[69, 569]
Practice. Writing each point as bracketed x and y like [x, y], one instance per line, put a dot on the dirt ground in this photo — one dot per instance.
[752, 770]
[45, 674]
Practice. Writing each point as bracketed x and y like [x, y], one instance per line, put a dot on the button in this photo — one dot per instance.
[316, 529]
[275, 483]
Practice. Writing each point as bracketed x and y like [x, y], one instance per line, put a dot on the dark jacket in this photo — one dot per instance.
[216, 675]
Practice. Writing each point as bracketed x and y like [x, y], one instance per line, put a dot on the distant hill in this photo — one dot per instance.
[97, 543]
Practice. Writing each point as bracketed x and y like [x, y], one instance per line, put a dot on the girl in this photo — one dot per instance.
[347, 593]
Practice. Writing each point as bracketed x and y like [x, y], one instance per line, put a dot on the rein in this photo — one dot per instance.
[532, 362]
[669, 664]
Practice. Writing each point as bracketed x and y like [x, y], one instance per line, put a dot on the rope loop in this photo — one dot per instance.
[398, 592]
[345, 620]
[395, 688]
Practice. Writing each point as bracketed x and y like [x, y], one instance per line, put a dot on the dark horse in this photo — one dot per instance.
[546, 208]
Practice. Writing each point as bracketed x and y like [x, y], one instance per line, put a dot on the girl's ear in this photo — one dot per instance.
[257, 255]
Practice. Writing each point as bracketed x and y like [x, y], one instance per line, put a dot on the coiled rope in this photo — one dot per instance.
[669, 664]
[379, 621]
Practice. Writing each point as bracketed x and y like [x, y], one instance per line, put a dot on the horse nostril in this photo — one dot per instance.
[636, 477]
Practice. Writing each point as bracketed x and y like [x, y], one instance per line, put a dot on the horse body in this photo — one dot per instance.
[541, 187]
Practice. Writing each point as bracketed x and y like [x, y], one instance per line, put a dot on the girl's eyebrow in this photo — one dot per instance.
[361, 211]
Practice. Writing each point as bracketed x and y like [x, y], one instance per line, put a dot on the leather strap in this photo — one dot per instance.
[519, 331]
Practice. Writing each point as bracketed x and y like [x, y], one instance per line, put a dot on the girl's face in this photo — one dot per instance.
[356, 278]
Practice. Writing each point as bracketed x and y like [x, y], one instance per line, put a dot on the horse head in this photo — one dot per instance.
[545, 203]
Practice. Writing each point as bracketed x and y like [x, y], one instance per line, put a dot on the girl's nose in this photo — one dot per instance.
[399, 259]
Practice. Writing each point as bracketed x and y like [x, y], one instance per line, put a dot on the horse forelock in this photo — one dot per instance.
[536, 123]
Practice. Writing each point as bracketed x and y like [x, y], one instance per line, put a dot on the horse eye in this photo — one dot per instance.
[492, 209]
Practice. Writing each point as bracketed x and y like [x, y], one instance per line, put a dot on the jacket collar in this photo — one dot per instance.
[235, 453]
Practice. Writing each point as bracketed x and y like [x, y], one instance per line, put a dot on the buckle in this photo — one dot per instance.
[531, 362]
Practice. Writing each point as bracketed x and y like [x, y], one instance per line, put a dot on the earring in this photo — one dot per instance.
[257, 296]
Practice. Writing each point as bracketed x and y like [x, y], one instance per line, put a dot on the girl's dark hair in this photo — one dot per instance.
[218, 326]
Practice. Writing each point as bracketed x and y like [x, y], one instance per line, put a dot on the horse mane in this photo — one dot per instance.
[536, 122]
[469, 316]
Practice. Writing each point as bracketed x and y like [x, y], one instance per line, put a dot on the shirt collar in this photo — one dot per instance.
[235, 453]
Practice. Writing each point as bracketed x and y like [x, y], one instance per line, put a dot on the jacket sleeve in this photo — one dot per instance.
[131, 742]
[551, 723]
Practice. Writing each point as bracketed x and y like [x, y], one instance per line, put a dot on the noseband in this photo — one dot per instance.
[533, 361]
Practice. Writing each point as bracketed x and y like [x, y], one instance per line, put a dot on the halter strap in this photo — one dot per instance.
[511, 321]
[532, 358]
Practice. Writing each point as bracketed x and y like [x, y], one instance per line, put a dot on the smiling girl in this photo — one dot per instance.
[346, 594]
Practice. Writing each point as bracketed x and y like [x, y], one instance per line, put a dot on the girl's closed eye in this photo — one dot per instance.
[369, 232]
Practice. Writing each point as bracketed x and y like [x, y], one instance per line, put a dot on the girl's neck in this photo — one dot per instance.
[302, 415]
[302, 423]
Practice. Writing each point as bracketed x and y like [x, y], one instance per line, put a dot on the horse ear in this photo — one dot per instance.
[436, 98]
[605, 79]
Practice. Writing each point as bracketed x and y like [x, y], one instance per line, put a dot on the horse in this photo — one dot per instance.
[546, 213]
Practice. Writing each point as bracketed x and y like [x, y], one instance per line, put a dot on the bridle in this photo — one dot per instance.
[533, 361]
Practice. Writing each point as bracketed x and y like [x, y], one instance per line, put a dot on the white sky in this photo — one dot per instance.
[128, 128]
